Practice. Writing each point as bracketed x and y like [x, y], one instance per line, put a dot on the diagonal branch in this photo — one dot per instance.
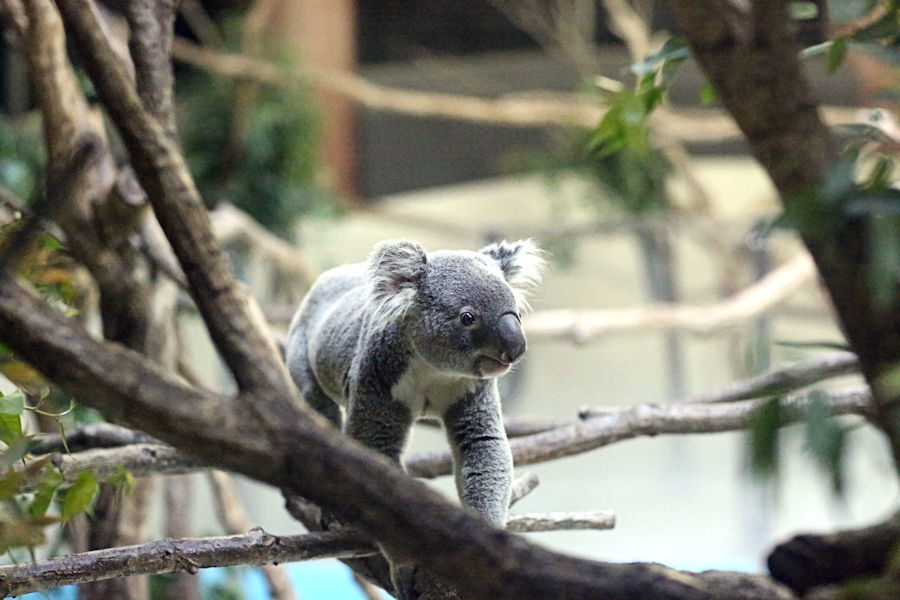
[762, 296]
[161, 169]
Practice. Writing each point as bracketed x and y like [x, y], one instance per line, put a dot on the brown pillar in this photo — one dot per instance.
[322, 33]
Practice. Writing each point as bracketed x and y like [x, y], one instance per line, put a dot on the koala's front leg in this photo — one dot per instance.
[482, 460]
[382, 423]
[379, 422]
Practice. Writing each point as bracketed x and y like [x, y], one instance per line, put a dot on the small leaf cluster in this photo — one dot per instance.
[258, 150]
[824, 436]
[28, 486]
[882, 32]
[623, 156]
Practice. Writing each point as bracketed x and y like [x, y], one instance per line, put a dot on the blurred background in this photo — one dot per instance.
[316, 129]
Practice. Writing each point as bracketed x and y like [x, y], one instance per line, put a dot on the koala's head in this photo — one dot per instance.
[461, 310]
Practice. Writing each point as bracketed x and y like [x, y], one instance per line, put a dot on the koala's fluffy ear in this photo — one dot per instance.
[521, 263]
[395, 269]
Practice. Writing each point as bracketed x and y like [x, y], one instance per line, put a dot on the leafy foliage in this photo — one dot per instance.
[622, 156]
[270, 170]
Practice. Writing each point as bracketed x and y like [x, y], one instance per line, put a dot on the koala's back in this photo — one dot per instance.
[325, 331]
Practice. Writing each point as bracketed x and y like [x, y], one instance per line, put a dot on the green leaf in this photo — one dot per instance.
[46, 490]
[16, 452]
[13, 404]
[825, 439]
[80, 495]
[123, 479]
[50, 242]
[707, 93]
[764, 428]
[676, 50]
[836, 54]
[10, 429]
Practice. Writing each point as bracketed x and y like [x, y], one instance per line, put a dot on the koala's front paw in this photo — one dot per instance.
[403, 576]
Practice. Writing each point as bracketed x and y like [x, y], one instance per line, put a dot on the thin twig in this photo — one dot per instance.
[178, 555]
[524, 485]
[90, 436]
[561, 521]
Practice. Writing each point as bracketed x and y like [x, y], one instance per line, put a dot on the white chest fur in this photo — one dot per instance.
[428, 392]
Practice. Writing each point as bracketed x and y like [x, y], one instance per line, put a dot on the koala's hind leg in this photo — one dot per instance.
[305, 380]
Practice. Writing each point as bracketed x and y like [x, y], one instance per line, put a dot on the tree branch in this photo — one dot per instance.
[256, 548]
[162, 171]
[594, 426]
[756, 299]
[87, 437]
[178, 555]
[645, 420]
[752, 61]
[565, 110]
[785, 379]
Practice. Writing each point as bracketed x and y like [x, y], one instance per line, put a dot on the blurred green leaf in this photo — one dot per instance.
[18, 533]
[836, 54]
[122, 479]
[45, 492]
[825, 439]
[675, 50]
[803, 10]
[12, 404]
[16, 452]
[764, 429]
[80, 495]
[10, 428]
[707, 93]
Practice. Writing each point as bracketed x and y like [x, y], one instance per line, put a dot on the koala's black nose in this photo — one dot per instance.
[512, 344]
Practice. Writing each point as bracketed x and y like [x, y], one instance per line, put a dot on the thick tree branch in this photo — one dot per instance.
[594, 428]
[752, 61]
[162, 171]
[312, 460]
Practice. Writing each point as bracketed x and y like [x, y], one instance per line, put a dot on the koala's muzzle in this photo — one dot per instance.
[512, 338]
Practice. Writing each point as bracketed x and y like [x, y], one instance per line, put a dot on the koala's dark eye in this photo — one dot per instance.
[467, 319]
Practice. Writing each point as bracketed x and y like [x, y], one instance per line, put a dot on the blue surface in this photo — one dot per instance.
[318, 580]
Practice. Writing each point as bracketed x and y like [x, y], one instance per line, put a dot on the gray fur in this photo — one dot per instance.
[409, 335]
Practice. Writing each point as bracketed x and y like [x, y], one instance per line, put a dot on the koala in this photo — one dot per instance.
[410, 335]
